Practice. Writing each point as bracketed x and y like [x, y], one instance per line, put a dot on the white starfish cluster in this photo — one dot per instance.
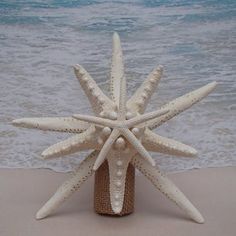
[120, 133]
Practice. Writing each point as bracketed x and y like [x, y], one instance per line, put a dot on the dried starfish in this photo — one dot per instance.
[120, 133]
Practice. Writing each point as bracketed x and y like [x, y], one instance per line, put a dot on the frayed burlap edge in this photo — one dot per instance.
[102, 203]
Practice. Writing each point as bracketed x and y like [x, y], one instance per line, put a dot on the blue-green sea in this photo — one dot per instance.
[195, 41]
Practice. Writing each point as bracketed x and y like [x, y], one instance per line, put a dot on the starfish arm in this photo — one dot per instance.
[83, 172]
[182, 103]
[60, 124]
[156, 143]
[117, 69]
[139, 100]
[95, 120]
[118, 163]
[167, 187]
[146, 117]
[83, 141]
[98, 100]
[105, 149]
[137, 145]
[122, 101]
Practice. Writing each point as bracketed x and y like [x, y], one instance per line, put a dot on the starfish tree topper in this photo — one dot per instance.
[121, 133]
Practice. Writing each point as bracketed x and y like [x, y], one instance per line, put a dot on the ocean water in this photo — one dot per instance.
[195, 41]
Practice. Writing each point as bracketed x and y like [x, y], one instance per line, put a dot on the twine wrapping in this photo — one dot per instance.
[102, 203]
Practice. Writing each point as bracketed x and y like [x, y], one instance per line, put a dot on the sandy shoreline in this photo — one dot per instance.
[23, 192]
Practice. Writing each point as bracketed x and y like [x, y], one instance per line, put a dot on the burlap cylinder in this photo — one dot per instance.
[102, 203]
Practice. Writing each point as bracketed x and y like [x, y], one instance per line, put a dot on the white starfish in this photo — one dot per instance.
[120, 133]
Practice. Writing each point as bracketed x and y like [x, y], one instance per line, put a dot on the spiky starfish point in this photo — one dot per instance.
[120, 133]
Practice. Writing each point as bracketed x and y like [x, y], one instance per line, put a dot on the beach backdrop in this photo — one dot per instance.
[195, 41]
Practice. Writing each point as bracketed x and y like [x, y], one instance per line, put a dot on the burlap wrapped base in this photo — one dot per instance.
[102, 204]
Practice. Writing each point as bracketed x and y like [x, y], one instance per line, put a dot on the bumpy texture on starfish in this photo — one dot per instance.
[120, 133]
